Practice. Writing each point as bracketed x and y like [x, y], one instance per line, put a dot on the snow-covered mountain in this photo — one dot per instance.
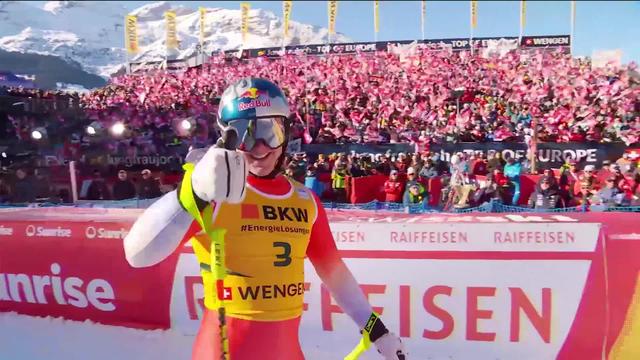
[91, 35]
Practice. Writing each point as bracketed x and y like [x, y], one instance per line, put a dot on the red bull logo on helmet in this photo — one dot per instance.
[257, 98]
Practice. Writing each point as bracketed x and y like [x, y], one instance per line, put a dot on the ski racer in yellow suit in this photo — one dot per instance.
[272, 223]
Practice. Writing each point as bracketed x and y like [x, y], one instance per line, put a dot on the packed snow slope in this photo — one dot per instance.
[30, 338]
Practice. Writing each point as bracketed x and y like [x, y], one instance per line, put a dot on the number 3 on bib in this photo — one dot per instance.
[285, 257]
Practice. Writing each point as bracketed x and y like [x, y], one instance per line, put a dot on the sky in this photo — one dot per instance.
[599, 25]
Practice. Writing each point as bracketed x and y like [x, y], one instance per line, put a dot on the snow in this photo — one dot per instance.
[91, 33]
[25, 338]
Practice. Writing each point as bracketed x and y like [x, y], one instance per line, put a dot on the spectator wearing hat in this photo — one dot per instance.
[545, 196]
[123, 188]
[415, 194]
[148, 188]
[589, 178]
[393, 188]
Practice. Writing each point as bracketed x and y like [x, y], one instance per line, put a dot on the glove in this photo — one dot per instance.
[391, 347]
[388, 344]
[221, 174]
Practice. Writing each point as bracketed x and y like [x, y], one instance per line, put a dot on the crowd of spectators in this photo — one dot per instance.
[471, 180]
[423, 95]
[426, 96]
[30, 186]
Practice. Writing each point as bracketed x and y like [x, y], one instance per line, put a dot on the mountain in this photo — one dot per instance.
[89, 34]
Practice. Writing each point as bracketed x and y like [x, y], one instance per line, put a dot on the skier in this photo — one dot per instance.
[271, 223]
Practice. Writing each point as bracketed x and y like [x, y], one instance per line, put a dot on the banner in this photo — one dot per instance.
[80, 273]
[244, 10]
[376, 16]
[333, 13]
[131, 34]
[286, 14]
[203, 14]
[459, 286]
[457, 44]
[549, 155]
[474, 14]
[172, 34]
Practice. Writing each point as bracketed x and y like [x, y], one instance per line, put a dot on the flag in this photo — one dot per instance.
[131, 34]
[573, 24]
[376, 16]
[203, 13]
[474, 14]
[244, 9]
[333, 12]
[286, 10]
[172, 35]
[423, 15]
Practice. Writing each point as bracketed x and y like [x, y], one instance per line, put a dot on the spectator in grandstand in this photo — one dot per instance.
[589, 179]
[584, 194]
[321, 165]
[546, 196]
[608, 194]
[429, 170]
[488, 192]
[384, 165]
[415, 195]
[123, 188]
[338, 181]
[98, 189]
[23, 188]
[495, 161]
[148, 187]
[512, 170]
[479, 165]
[393, 188]
[311, 181]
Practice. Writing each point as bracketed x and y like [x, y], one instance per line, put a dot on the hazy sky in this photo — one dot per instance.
[600, 25]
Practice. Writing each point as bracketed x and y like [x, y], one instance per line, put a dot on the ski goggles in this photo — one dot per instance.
[271, 130]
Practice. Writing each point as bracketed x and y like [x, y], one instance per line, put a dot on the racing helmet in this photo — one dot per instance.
[256, 109]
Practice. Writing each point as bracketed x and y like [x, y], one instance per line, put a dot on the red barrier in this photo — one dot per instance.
[367, 188]
[77, 270]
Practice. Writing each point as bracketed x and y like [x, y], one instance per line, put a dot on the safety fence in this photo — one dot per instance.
[493, 206]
